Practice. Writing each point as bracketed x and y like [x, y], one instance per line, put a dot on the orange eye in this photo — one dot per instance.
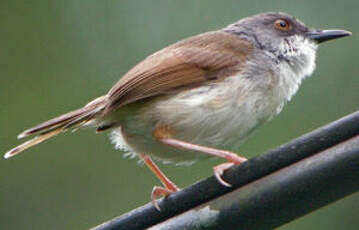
[282, 25]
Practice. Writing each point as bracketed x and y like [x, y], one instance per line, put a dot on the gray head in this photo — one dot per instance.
[271, 29]
[285, 37]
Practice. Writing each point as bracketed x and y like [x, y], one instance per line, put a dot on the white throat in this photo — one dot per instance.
[298, 62]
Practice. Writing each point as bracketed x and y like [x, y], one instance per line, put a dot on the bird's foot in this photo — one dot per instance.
[158, 191]
[232, 158]
[219, 169]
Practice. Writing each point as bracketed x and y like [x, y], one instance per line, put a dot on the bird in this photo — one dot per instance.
[200, 97]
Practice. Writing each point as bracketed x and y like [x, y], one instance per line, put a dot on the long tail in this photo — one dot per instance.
[48, 129]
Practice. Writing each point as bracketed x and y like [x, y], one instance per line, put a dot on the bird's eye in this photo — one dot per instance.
[282, 25]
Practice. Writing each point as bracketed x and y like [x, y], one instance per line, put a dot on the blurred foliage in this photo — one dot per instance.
[57, 55]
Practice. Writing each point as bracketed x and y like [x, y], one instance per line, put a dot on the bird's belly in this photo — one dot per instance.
[211, 116]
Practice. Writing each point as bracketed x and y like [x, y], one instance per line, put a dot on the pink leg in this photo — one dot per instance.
[233, 158]
[157, 191]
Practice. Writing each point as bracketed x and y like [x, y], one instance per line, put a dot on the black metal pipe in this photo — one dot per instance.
[261, 166]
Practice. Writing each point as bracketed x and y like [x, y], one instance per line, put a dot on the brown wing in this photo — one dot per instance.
[188, 63]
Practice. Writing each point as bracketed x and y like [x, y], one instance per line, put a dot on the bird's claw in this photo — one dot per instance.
[157, 192]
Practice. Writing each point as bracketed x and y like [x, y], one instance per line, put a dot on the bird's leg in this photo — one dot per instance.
[157, 191]
[233, 158]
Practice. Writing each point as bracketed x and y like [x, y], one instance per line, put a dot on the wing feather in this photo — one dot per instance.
[188, 63]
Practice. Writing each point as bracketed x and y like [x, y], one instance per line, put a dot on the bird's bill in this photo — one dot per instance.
[320, 36]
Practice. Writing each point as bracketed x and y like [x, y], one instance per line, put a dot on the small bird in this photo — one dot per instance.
[201, 96]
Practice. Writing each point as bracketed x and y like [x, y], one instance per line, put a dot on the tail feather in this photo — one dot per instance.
[34, 141]
[48, 129]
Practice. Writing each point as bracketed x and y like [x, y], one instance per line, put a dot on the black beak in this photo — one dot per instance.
[320, 36]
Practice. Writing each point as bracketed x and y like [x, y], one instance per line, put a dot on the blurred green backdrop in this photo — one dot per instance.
[57, 55]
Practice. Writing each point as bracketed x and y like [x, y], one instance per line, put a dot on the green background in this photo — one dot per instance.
[55, 56]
